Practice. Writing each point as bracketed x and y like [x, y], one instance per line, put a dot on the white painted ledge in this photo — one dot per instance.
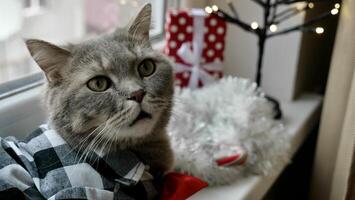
[20, 114]
[300, 117]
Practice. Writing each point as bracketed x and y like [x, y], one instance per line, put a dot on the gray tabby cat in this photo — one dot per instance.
[112, 92]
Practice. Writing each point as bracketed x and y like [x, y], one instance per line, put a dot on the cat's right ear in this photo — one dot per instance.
[140, 26]
[49, 57]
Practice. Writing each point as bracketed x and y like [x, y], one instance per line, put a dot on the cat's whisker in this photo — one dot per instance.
[100, 141]
[119, 115]
[104, 145]
[112, 140]
[82, 143]
[118, 123]
[176, 114]
[109, 142]
[175, 117]
[73, 149]
[178, 101]
[70, 151]
[162, 105]
[89, 148]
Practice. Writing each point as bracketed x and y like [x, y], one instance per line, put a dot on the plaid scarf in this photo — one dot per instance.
[44, 166]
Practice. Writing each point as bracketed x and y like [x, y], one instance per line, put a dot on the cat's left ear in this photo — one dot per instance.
[140, 26]
[49, 57]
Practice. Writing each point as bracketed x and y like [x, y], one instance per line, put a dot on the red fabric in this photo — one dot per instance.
[238, 159]
[179, 29]
[227, 160]
[180, 186]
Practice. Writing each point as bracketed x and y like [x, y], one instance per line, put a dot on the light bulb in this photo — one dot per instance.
[319, 30]
[208, 9]
[273, 28]
[215, 8]
[134, 3]
[254, 25]
[299, 6]
[334, 11]
[337, 5]
[310, 5]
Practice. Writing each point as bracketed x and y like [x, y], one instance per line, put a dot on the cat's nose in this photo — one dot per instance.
[137, 95]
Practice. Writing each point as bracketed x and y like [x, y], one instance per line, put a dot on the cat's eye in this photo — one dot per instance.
[146, 68]
[99, 83]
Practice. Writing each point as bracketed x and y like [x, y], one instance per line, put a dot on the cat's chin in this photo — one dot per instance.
[140, 127]
[142, 116]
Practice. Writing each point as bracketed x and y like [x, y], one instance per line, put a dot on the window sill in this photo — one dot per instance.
[13, 87]
[300, 117]
[20, 114]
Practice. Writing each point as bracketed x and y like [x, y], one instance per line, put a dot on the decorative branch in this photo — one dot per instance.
[295, 11]
[270, 20]
[259, 2]
[303, 25]
[274, 13]
[223, 15]
[284, 12]
[285, 2]
[232, 8]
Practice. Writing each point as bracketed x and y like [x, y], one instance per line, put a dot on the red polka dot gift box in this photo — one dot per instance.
[195, 42]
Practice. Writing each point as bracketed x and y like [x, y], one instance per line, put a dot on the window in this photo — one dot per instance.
[59, 22]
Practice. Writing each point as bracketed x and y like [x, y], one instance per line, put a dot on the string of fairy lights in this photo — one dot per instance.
[133, 3]
[272, 17]
[277, 18]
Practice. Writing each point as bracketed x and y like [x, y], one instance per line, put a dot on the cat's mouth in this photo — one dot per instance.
[142, 115]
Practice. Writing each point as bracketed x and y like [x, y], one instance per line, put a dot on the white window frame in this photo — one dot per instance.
[19, 85]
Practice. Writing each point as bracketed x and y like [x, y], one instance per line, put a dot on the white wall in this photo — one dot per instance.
[22, 113]
[281, 53]
[335, 144]
[61, 21]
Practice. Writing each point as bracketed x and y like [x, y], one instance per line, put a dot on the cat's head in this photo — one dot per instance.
[114, 87]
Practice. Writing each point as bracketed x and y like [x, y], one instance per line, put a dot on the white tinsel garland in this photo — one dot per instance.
[232, 112]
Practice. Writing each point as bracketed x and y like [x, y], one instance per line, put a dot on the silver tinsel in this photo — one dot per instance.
[208, 122]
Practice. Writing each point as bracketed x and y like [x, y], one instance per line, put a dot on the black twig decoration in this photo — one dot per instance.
[272, 18]
[268, 29]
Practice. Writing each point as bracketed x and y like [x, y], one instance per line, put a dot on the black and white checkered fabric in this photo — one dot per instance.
[44, 166]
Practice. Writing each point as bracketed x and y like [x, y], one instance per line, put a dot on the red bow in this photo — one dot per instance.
[180, 186]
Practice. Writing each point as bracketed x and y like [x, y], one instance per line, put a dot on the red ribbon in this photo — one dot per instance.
[236, 159]
[180, 186]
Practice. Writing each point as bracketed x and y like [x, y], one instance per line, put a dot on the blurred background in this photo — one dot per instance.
[300, 61]
[60, 22]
